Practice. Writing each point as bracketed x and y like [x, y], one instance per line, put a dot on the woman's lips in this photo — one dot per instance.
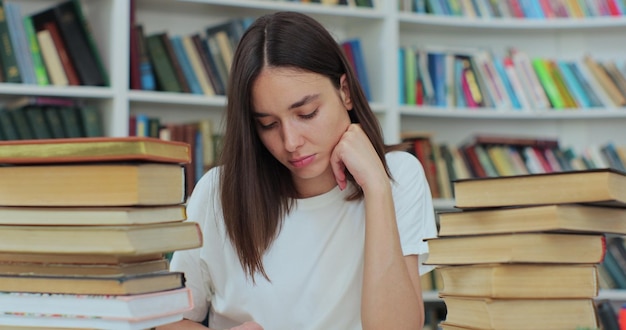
[302, 162]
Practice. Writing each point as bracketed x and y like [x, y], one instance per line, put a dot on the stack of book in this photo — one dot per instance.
[523, 251]
[85, 226]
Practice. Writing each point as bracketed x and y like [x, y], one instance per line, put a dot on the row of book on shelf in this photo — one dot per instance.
[199, 63]
[53, 46]
[531, 251]
[489, 155]
[349, 3]
[524, 9]
[478, 78]
[75, 256]
[46, 117]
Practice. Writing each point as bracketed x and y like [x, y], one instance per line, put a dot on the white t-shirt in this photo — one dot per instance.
[315, 264]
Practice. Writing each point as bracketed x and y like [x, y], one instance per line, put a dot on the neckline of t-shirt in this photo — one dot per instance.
[332, 196]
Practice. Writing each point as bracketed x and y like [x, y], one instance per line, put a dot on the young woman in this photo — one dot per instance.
[310, 221]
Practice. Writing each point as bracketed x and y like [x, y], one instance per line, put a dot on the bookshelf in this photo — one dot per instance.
[382, 30]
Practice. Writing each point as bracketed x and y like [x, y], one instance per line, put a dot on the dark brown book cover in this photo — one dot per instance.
[167, 43]
[68, 65]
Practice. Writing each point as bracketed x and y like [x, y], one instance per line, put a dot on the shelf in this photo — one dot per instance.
[616, 295]
[456, 22]
[486, 113]
[60, 91]
[176, 98]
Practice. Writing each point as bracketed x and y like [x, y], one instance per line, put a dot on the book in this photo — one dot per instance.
[51, 58]
[98, 240]
[139, 306]
[76, 258]
[8, 53]
[86, 216]
[513, 314]
[83, 54]
[556, 217]
[96, 184]
[52, 321]
[165, 74]
[520, 281]
[517, 247]
[94, 149]
[93, 285]
[603, 186]
[122, 269]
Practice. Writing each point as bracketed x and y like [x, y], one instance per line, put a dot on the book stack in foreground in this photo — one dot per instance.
[523, 251]
[84, 228]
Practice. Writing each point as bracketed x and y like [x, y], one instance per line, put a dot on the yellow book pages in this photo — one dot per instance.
[122, 269]
[91, 216]
[93, 285]
[96, 149]
[518, 314]
[599, 186]
[520, 281]
[104, 184]
[570, 217]
[101, 240]
[517, 247]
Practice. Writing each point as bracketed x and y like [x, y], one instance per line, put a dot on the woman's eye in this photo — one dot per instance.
[267, 126]
[310, 115]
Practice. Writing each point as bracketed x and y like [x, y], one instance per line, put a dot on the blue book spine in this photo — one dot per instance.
[437, 71]
[458, 89]
[573, 85]
[594, 100]
[361, 68]
[179, 50]
[18, 41]
[497, 63]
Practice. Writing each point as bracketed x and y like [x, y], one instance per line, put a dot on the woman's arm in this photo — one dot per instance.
[191, 325]
[391, 293]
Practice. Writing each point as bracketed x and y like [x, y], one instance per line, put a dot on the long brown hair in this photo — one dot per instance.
[257, 191]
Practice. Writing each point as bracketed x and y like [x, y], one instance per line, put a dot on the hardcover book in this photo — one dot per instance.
[93, 149]
[599, 186]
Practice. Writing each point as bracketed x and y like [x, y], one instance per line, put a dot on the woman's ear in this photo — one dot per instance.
[344, 91]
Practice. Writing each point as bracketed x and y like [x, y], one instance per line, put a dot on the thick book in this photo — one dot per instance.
[557, 217]
[517, 314]
[17, 321]
[520, 281]
[93, 149]
[97, 184]
[76, 258]
[599, 186]
[519, 247]
[98, 240]
[93, 285]
[121, 269]
[88, 216]
[139, 306]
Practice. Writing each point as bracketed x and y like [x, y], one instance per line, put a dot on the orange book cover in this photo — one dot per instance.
[93, 149]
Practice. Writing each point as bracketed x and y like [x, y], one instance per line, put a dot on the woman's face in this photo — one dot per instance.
[300, 118]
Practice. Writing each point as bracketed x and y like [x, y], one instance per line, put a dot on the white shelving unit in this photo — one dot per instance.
[382, 30]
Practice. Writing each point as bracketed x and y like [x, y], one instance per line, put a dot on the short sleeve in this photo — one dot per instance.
[415, 214]
[190, 262]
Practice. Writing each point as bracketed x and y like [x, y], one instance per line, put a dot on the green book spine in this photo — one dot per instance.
[37, 120]
[10, 70]
[8, 127]
[166, 76]
[91, 41]
[552, 91]
[71, 122]
[38, 65]
[53, 118]
[90, 120]
[21, 124]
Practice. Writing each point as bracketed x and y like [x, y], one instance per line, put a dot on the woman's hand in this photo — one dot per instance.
[355, 152]
[248, 326]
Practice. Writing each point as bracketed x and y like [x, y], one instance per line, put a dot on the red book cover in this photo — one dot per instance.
[68, 66]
